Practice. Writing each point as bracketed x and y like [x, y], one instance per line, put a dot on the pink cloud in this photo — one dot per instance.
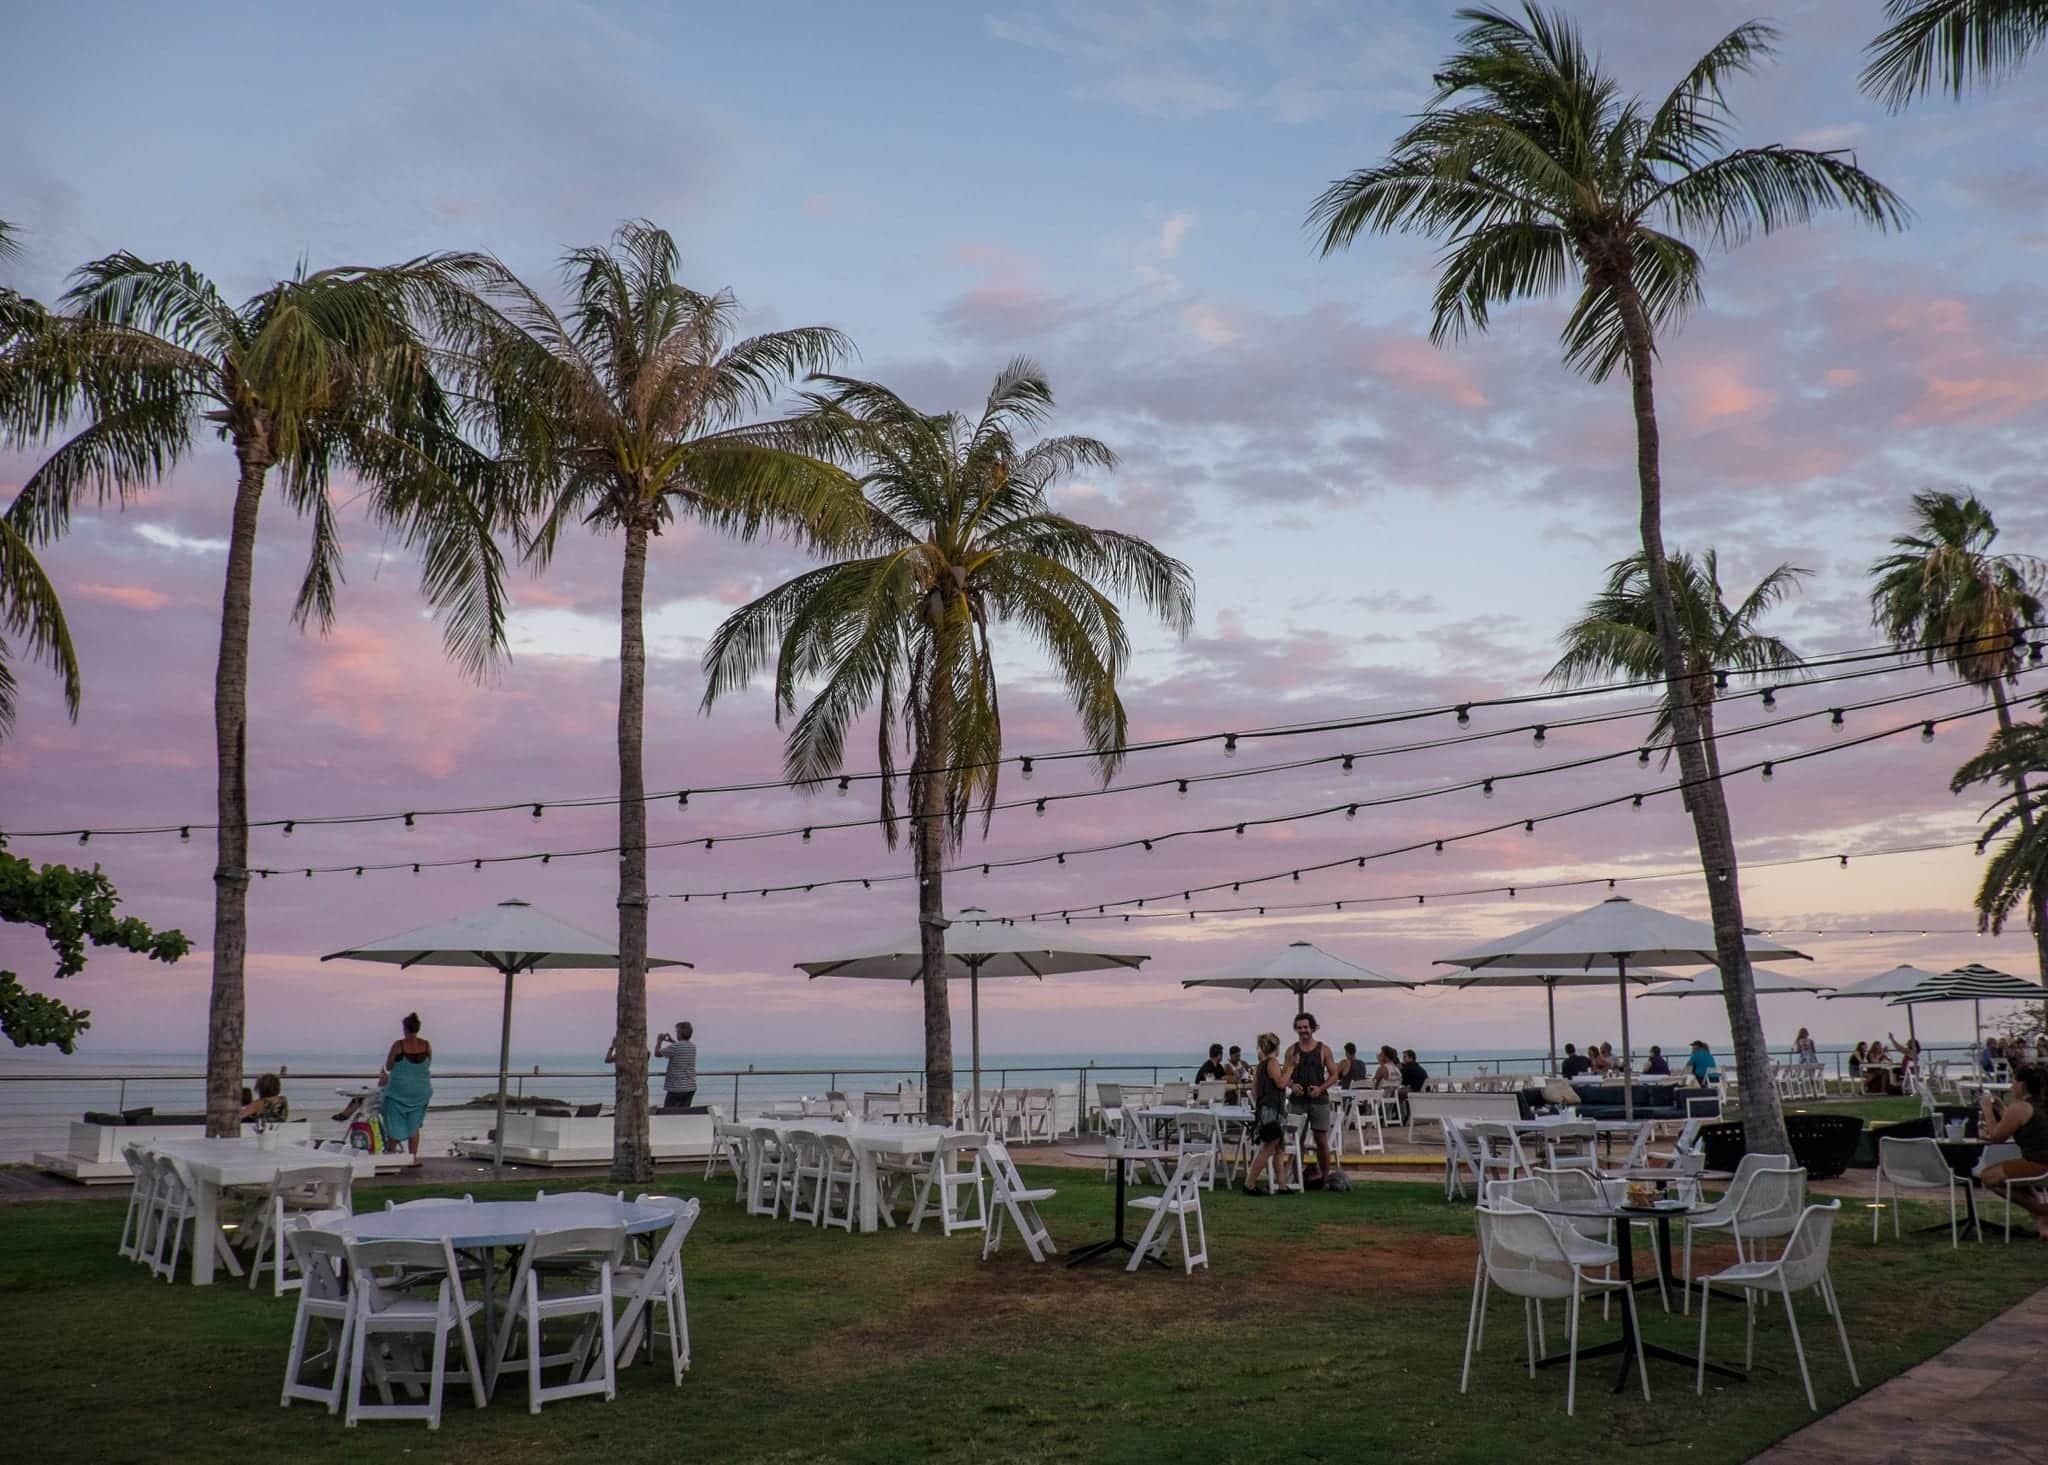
[1419, 366]
[134, 597]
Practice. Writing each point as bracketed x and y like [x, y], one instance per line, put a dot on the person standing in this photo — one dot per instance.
[679, 1082]
[1314, 1066]
[1270, 1082]
[408, 1084]
[1804, 1048]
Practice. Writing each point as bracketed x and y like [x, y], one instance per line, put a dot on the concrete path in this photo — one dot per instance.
[1977, 1402]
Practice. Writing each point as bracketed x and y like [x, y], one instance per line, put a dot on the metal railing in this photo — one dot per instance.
[776, 1078]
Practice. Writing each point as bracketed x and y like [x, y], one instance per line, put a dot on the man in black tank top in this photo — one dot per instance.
[1315, 1074]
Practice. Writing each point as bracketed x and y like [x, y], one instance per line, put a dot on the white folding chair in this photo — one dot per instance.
[1499, 1151]
[1721, 1214]
[1182, 1199]
[1199, 1131]
[728, 1147]
[301, 1195]
[1175, 1092]
[1803, 1265]
[1362, 1114]
[657, 1283]
[322, 1258]
[1913, 1164]
[378, 1310]
[1109, 1104]
[1522, 1254]
[838, 1182]
[1017, 1202]
[1039, 1122]
[135, 1224]
[172, 1209]
[578, 1264]
[1572, 1146]
[807, 1175]
[767, 1179]
[954, 1174]
[1210, 1091]
[1459, 1159]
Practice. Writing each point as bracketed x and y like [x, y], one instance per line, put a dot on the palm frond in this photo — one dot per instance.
[29, 610]
[1950, 44]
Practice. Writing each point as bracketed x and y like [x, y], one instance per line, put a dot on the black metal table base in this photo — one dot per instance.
[1118, 1242]
[1625, 1346]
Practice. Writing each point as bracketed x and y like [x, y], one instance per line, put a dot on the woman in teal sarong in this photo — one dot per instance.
[408, 1084]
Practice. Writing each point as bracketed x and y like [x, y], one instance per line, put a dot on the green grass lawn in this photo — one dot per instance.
[1330, 1327]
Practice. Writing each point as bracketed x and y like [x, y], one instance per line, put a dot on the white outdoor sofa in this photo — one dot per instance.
[550, 1139]
[92, 1156]
[1430, 1106]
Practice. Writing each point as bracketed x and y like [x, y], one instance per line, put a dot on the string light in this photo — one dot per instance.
[1891, 657]
[1835, 719]
[1926, 732]
[1025, 769]
[536, 811]
[1464, 714]
[185, 833]
[1230, 745]
[1183, 788]
[1539, 733]
[1767, 773]
[1344, 767]
[845, 783]
[1041, 808]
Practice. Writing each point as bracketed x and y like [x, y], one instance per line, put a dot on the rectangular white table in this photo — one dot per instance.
[867, 1140]
[214, 1165]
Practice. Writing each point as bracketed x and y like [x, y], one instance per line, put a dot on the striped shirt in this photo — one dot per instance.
[682, 1067]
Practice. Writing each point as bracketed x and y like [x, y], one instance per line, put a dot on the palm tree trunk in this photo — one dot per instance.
[2039, 914]
[632, 1158]
[928, 841]
[1763, 1119]
[227, 1006]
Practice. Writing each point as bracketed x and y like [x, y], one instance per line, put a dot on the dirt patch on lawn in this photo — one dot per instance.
[1347, 1259]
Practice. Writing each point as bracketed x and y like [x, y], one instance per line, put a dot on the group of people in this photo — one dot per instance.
[1598, 1061]
[2006, 1053]
[1299, 1080]
[1884, 1070]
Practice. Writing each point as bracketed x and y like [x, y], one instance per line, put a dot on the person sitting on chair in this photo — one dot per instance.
[1214, 1070]
[269, 1105]
[1700, 1063]
[2021, 1120]
[1352, 1070]
[1655, 1066]
[1414, 1077]
[1575, 1062]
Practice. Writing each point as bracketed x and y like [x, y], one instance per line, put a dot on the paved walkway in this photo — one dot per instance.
[1979, 1402]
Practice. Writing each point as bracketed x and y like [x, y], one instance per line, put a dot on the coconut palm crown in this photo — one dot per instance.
[319, 372]
[1617, 636]
[961, 538]
[1948, 45]
[632, 409]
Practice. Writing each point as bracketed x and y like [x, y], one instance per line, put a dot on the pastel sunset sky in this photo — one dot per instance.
[1118, 191]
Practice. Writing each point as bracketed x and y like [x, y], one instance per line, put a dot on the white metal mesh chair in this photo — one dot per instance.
[302, 1195]
[1013, 1201]
[953, 1175]
[1803, 1266]
[2018, 1182]
[322, 1258]
[1181, 1200]
[1721, 1214]
[377, 1310]
[581, 1281]
[657, 1283]
[1913, 1164]
[1521, 1253]
[1770, 1208]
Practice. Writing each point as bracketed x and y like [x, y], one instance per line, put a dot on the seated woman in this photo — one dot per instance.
[1387, 1075]
[1657, 1066]
[1877, 1068]
[1856, 1061]
[269, 1106]
[2021, 1120]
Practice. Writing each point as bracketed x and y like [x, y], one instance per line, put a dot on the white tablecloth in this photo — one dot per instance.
[215, 1164]
[867, 1139]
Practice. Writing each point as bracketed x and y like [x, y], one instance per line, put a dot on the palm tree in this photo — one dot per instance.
[317, 372]
[1539, 171]
[1617, 636]
[625, 414]
[2019, 871]
[961, 537]
[28, 602]
[1944, 593]
[1950, 44]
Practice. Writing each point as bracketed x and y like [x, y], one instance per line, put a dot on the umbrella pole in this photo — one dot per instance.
[1628, 1088]
[1550, 1001]
[1300, 1001]
[504, 1063]
[974, 1003]
[1976, 1021]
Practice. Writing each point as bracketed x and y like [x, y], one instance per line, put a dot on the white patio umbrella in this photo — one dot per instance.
[1613, 933]
[1886, 984]
[1974, 984]
[979, 945]
[1768, 984]
[1300, 968]
[1597, 976]
[509, 937]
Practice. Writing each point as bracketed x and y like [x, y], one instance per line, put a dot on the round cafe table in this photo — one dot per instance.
[1118, 1242]
[1625, 1267]
[482, 1227]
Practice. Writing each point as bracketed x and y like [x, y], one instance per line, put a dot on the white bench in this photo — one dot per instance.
[550, 1139]
[1430, 1106]
[92, 1154]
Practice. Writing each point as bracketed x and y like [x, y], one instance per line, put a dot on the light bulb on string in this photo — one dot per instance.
[1926, 732]
[288, 827]
[537, 810]
[1040, 810]
[1528, 826]
[844, 785]
[408, 821]
[1024, 767]
[807, 836]
[1766, 771]
[1351, 812]
[1240, 831]
[1770, 697]
[1642, 757]
[1486, 788]
[1540, 730]
[185, 832]
[1345, 766]
[1835, 722]
[1637, 803]
[1439, 846]
[1464, 714]
[683, 799]
[1183, 788]
[1230, 745]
